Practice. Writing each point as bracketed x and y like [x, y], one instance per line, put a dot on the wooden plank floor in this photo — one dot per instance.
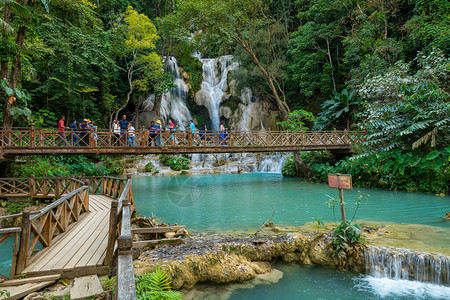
[79, 251]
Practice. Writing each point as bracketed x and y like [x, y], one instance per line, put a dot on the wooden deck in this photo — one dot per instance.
[80, 250]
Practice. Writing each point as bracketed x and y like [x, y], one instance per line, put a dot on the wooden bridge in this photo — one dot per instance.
[32, 141]
[79, 234]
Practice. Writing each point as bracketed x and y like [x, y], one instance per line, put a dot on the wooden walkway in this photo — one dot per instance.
[80, 250]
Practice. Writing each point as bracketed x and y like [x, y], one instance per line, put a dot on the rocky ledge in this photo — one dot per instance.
[220, 259]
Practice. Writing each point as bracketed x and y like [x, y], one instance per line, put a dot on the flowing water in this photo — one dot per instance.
[245, 201]
[230, 202]
[215, 79]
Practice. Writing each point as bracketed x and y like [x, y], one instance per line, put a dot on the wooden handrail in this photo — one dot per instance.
[105, 138]
[48, 222]
[126, 286]
[58, 202]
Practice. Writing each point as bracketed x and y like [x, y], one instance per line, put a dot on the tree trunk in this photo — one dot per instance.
[282, 105]
[301, 168]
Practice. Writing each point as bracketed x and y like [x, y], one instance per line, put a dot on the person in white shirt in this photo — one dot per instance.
[116, 130]
[131, 135]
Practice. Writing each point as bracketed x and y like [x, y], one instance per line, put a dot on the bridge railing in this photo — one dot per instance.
[37, 187]
[120, 236]
[42, 225]
[103, 138]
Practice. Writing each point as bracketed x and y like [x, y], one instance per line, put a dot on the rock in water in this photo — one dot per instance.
[182, 232]
[447, 216]
[169, 235]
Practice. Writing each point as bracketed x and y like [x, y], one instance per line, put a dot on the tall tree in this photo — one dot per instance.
[143, 65]
[239, 22]
[21, 12]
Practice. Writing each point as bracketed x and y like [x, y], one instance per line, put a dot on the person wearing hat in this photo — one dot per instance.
[151, 129]
[84, 136]
[158, 140]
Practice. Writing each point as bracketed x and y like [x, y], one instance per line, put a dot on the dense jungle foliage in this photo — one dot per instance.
[381, 66]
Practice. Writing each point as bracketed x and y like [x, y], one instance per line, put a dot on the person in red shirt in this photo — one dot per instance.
[62, 135]
[172, 130]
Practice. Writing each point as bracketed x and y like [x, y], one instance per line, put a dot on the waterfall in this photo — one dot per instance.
[245, 162]
[403, 264]
[215, 75]
[173, 103]
[272, 163]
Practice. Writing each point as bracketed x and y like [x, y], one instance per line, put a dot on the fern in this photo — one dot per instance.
[156, 286]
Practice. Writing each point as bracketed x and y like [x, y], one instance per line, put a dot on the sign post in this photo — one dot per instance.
[341, 182]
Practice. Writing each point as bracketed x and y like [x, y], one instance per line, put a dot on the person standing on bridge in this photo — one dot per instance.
[223, 133]
[152, 133]
[61, 134]
[131, 135]
[202, 132]
[74, 132]
[116, 129]
[172, 131]
[124, 128]
[84, 134]
[158, 140]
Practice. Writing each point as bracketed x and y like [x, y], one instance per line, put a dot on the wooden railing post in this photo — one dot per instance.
[22, 257]
[112, 233]
[91, 137]
[32, 136]
[32, 186]
[58, 187]
[190, 139]
[104, 180]
[15, 252]
[143, 137]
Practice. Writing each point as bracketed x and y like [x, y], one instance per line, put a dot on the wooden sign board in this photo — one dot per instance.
[340, 181]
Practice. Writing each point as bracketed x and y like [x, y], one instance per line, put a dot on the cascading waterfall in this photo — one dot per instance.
[215, 84]
[404, 264]
[272, 163]
[246, 162]
[173, 103]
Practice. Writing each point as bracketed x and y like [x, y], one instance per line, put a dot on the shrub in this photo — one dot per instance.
[174, 162]
[395, 170]
[288, 169]
[149, 167]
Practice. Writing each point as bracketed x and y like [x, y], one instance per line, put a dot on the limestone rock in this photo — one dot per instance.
[169, 235]
[185, 75]
[86, 286]
[202, 98]
[182, 232]
[225, 112]
[130, 171]
[278, 229]
[33, 296]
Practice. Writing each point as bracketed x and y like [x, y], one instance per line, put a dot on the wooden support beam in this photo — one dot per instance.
[157, 229]
[149, 243]
[30, 280]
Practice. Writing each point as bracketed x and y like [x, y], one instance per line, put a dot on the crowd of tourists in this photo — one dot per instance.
[79, 133]
[124, 133]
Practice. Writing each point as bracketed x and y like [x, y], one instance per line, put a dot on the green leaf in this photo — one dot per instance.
[432, 155]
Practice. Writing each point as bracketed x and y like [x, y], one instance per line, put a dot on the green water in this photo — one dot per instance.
[245, 201]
